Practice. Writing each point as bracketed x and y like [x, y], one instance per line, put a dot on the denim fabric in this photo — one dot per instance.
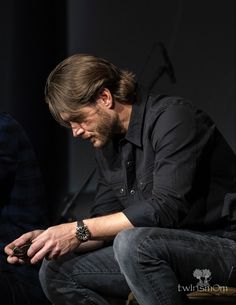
[159, 266]
[156, 264]
[90, 278]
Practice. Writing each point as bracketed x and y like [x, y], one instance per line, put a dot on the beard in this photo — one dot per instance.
[106, 129]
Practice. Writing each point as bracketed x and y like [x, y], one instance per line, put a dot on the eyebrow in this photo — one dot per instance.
[78, 118]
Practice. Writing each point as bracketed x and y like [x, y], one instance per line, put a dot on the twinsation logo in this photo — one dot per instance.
[203, 277]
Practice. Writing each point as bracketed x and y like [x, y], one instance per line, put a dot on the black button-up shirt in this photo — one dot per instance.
[172, 169]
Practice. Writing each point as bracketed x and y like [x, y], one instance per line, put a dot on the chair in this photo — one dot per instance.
[226, 296]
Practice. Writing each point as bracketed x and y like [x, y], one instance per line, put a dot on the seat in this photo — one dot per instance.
[226, 296]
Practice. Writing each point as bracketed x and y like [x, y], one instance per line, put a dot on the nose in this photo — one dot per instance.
[77, 130]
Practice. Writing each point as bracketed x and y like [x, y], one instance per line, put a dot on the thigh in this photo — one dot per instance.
[97, 271]
[189, 254]
[194, 257]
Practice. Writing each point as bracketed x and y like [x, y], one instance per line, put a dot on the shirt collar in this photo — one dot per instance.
[134, 132]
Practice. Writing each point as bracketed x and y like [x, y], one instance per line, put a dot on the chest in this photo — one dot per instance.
[129, 170]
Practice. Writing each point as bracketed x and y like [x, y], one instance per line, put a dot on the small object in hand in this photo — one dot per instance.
[21, 252]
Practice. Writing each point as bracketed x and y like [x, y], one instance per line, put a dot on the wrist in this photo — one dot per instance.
[82, 233]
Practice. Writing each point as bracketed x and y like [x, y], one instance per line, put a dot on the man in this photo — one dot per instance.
[21, 210]
[166, 193]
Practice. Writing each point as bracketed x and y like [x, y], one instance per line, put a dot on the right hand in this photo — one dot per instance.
[22, 240]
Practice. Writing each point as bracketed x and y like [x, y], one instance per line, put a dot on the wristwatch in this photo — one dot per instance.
[82, 232]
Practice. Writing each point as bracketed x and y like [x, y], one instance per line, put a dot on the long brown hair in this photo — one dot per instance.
[78, 80]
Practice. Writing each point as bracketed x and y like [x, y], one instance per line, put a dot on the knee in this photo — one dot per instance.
[121, 244]
[126, 245]
[140, 245]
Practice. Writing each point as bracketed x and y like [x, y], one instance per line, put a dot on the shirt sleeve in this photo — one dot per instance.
[178, 138]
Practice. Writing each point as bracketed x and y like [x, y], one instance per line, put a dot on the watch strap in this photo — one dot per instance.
[82, 232]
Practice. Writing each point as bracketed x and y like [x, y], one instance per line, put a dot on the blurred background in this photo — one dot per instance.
[198, 35]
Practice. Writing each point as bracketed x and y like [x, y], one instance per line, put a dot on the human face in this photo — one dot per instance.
[94, 124]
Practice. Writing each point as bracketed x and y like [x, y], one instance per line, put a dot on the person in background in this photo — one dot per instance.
[166, 194]
[21, 210]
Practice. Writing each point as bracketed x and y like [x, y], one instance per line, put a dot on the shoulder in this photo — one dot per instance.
[11, 127]
[161, 103]
[163, 109]
[8, 123]
[12, 134]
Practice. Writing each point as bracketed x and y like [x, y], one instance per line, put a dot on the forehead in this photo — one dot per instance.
[80, 114]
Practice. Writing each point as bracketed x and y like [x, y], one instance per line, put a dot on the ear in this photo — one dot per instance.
[105, 99]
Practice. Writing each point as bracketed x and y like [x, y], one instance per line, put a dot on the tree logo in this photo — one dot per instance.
[203, 276]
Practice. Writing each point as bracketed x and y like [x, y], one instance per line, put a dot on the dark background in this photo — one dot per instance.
[36, 35]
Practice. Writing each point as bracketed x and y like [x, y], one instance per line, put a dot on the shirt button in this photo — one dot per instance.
[122, 190]
[129, 163]
[132, 192]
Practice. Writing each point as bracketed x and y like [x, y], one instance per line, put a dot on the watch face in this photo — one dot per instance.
[82, 233]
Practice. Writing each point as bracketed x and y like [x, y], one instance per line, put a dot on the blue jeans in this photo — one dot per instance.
[158, 265]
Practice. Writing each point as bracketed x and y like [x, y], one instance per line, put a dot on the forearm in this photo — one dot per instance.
[61, 239]
[106, 227]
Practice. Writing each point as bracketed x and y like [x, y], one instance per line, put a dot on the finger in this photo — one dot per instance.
[9, 249]
[22, 240]
[39, 256]
[27, 238]
[35, 247]
[15, 260]
[38, 250]
[47, 253]
[16, 243]
[12, 259]
[52, 256]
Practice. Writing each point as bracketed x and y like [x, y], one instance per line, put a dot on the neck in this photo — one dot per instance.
[124, 113]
